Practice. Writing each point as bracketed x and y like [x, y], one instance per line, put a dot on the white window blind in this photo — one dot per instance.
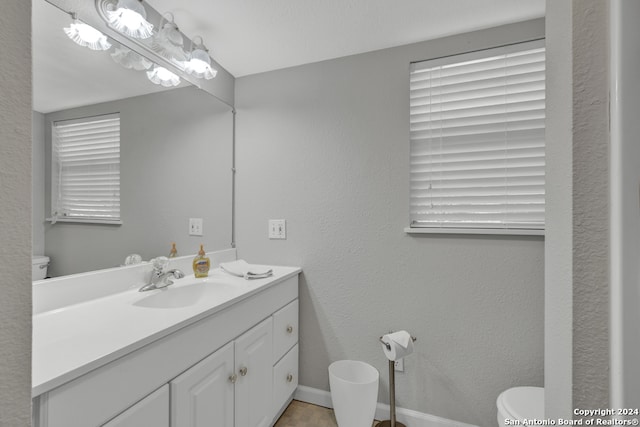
[86, 169]
[478, 140]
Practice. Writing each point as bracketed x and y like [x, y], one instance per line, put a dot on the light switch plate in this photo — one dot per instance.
[277, 229]
[195, 226]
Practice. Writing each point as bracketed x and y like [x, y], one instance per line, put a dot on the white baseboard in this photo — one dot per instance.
[313, 395]
[406, 416]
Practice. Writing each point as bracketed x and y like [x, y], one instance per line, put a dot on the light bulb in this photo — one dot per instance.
[200, 64]
[130, 18]
[168, 42]
[161, 76]
[87, 36]
[130, 59]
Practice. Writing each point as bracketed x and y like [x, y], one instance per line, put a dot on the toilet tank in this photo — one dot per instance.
[39, 266]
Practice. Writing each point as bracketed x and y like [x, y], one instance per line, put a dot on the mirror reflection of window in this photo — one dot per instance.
[86, 170]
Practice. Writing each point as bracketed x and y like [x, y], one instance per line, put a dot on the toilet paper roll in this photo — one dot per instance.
[397, 345]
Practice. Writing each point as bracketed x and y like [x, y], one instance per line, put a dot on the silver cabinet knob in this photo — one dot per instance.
[289, 378]
[289, 329]
[243, 371]
[233, 378]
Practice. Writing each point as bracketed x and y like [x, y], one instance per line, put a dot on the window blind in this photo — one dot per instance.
[86, 169]
[477, 130]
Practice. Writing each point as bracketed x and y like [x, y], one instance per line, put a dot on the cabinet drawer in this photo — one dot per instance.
[285, 329]
[285, 379]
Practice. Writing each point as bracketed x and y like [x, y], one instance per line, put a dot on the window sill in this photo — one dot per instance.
[487, 231]
[85, 221]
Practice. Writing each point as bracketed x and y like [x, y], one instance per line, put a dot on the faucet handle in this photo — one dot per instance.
[160, 263]
[132, 259]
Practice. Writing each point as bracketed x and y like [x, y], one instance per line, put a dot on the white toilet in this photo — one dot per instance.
[39, 266]
[519, 403]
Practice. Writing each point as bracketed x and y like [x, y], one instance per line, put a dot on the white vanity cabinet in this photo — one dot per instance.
[235, 367]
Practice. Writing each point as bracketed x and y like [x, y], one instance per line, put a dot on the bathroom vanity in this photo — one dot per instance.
[218, 351]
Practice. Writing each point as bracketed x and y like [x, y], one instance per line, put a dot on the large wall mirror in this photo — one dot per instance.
[175, 154]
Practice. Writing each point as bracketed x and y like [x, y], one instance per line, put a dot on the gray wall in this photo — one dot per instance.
[175, 165]
[577, 246]
[37, 182]
[15, 214]
[325, 146]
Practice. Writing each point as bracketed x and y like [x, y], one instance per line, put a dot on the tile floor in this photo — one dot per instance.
[301, 414]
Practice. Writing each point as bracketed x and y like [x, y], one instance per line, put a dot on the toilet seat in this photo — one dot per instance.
[520, 403]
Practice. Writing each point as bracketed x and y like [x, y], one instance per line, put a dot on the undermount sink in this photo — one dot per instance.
[173, 297]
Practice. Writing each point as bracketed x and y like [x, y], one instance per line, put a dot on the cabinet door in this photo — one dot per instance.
[152, 411]
[203, 395]
[254, 388]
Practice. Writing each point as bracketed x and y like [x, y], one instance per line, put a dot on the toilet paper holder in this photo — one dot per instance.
[392, 391]
[414, 339]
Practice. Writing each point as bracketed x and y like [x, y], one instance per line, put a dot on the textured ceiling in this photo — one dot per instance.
[253, 36]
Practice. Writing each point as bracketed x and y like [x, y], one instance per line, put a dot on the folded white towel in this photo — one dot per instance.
[241, 268]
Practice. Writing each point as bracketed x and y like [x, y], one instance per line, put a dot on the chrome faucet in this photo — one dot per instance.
[160, 279]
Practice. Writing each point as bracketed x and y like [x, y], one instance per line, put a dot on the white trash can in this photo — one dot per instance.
[354, 392]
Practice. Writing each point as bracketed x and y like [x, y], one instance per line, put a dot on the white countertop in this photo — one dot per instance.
[71, 341]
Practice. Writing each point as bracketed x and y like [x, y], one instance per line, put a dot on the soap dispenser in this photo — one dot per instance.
[201, 264]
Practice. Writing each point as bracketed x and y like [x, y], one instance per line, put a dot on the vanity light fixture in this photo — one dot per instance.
[199, 64]
[130, 18]
[161, 76]
[130, 59]
[85, 35]
[168, 41]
